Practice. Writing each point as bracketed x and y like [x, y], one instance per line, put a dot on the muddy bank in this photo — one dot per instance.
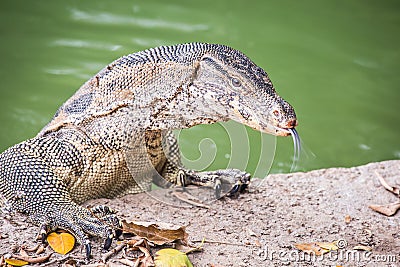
[261, 227]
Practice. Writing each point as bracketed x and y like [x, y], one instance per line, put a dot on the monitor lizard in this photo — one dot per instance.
[113, 136]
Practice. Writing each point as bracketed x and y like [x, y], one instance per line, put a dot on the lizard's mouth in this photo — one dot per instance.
[286, 128]
[277, 129]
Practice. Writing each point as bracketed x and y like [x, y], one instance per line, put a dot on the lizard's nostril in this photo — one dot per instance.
[292, 123]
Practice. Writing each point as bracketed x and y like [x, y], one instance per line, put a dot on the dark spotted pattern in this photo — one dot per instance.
[79, 105]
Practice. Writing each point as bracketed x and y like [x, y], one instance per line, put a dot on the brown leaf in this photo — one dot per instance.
[69, 263]
[317, 248]
[16, 262]
[147, 260]
[33, 259]
[40, 250]
[158, 233]
[388, 210]
[61, 243]
[347, 219]
[23, 253]
[360, 247]
[127, 262]
[251, 232]
[32, 249]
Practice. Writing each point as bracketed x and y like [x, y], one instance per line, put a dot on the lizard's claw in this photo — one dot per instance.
[229, 182]
[88, 249]
[81, 223]
[107, 215]
[43, 233]
[107, 243]
[237, 189]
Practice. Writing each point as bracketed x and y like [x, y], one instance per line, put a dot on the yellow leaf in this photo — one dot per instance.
[318, 248]
[15, 262]
[328, 245]
[170, 257]
[61, 243]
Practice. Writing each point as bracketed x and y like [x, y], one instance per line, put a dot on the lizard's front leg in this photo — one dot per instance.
[228, 182]
[30, 186]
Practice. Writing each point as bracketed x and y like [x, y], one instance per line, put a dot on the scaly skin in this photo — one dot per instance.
[107, 140]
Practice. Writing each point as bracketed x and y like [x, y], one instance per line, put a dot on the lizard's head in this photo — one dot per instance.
[227, 78]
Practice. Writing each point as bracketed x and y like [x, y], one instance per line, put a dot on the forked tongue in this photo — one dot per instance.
[297, 148]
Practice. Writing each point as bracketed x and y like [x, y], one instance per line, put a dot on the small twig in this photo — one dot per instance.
[222, 243]
[56, 260]
[184, 197]
[113, 251]
[198, 248]
[388, 187]
[35, 248]
[135, 243]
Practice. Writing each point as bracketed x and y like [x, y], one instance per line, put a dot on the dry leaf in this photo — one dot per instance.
[170, 257]
[388, 210]
[158, 233]
[40, 250]
[365, 248]
[16, 262]
[147, 260]
[127, 262]
[347, 219]
[69, 263]
[251, 232]
[33, 248]
[317, 248]
[388, 187]
[328, 245]
[61, 243]
[23, 253]
[30, 259]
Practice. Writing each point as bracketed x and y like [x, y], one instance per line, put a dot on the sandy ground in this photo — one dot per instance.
[261, 227]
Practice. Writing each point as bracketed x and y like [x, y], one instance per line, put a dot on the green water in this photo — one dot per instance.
[336, 62]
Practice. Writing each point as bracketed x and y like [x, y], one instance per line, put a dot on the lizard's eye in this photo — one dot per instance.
[236, 82]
